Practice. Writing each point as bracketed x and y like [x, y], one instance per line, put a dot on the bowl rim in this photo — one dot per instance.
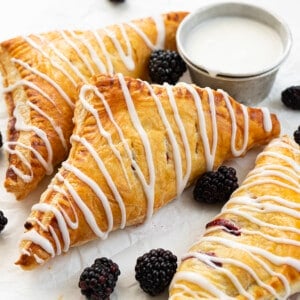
[286, 46]
[233, 78]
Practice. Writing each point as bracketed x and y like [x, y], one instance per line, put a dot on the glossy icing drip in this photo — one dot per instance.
[147, 181]
[77, 49]
[160, 33]
[234, 126]
[252, 209]
[149, 189]
[127, 58]
[109, 64]
[63, 58]
[209, 154]
[46, 78]
[180, 179]
[21, 125]
[93, 54]
[83, 48]
[53, 62]
[106, 174]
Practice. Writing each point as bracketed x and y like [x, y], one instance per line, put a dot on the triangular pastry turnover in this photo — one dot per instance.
[40, 76]
[251, 250]
[135, 147]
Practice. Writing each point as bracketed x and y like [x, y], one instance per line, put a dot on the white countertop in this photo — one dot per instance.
[174, 227]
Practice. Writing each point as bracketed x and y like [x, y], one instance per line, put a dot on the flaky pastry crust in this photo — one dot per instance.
[41, 73]
[251, 249]
[135, 147]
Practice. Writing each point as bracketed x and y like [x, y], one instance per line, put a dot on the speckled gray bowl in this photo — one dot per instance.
[248, 88]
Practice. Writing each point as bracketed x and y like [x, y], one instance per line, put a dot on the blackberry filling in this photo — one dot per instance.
[229, 226]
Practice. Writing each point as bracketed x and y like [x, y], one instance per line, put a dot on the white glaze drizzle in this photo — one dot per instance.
[286, 159]
[274, 173]
[46, 78]
[198, 279]
[160, 40]
[124, 141]
[148, 185]
[126, 58]
[34, 45]
[209, 154]
[38, 239]
[95, 57]
[267, 119]
[70, 37]
[243, 206]
[44, 207]
[289, 173]
[22, 126]
[273, 258]
[245, 215]
[181, 181]
[210, 261]
[87, 213]
[56, 128]
[171, 135]
[25, 177]
[56, 240]
[24, 82]
[106, 174]
[184, 291]
[234, 126]
[63, 58]
[77, 50]
[142, 35]
[109, 65]
[149, 189]
[95, 188]
[100, 127]
[38, 259]
[35, 220]
[161, 31]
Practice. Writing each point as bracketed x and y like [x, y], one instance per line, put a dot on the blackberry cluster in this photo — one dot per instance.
[216, 186]
[297, 135]
[291, 97]
[1, 142]
[165, 66]
[3, 221]
[154, 270]
[98, 281]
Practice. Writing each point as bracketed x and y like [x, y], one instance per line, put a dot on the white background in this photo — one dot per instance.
[176, 226]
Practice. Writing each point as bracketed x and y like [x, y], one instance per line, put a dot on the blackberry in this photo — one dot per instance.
[98, 281]
[165, 66]
[3, 221]
[297, 135]
[154, 270]
[117, 1]
[1, 142]
[291, 97]
[216, 186]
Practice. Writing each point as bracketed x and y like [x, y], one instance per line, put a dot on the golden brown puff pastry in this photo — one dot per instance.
[251, 250]
[41, 73]
[135, 147]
